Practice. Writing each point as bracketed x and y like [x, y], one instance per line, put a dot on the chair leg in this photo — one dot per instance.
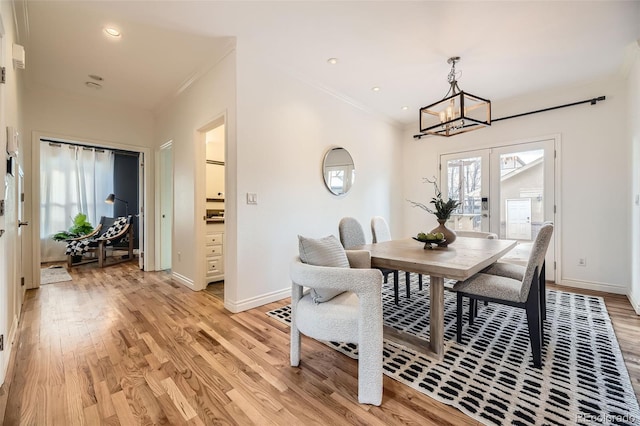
[459, 317]
[420, 281]
[370, 369]
[543, 293]
[101, 254]
[407, 282]
[130, 248]
[473, 310]
[295, 346]
[396, 290]
[535, 329]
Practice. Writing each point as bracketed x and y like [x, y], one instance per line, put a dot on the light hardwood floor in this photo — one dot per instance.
[122, 346]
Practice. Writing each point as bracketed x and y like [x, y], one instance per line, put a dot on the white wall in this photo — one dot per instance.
[594, 173]
[209, 98]
[633, 89]
[50, 113]
[285, 126]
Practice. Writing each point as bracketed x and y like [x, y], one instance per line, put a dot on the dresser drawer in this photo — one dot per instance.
[214, 238]
[214, 250]
[215, 266]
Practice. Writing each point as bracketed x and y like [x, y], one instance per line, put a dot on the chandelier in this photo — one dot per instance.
[459, 112]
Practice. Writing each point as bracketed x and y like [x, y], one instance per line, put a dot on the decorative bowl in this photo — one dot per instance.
[430, 243]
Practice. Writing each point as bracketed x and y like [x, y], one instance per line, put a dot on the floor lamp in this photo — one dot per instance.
[111, 198]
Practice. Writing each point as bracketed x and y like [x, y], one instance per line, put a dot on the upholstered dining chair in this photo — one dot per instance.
[524, 293]
[381, 232]
[352, 235]
[343, 305]
[515, 271]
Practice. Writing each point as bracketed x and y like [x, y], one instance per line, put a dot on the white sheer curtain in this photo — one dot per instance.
[73, 179]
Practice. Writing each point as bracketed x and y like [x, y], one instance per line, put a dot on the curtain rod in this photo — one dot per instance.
[72, 146]
[98, 148]
[592, 101]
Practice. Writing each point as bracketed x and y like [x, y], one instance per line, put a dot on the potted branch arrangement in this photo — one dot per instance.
[442, 210]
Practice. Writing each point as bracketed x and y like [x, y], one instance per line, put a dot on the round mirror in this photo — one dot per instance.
[338, 171]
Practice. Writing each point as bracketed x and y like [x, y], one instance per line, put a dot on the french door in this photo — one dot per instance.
[507, 190]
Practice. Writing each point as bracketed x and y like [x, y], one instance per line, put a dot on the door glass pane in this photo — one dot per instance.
[521, 194]
[464, 183]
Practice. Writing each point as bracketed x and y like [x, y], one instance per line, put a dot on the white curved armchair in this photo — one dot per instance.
[354, 316]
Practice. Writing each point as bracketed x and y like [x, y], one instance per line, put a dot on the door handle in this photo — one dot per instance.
[20, 223]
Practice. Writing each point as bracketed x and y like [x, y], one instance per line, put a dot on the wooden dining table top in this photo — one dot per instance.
[460, 260]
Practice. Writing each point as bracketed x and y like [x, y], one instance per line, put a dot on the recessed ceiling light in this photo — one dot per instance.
[332, 61]
[375, 89]
[404, 108]
[95, 77]
[113, 32]
[93, 85]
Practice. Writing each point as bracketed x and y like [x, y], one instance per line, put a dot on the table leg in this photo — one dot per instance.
[436, 320]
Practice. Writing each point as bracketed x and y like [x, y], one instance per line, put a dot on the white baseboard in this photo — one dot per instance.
[8, 345]
[254, 302]
[13, 330]
[588, 285]
[242, 305]
[187, 282]
[634, 302]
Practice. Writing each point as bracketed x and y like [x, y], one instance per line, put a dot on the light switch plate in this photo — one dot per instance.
[252, 198]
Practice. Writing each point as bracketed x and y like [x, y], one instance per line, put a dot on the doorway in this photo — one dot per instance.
[507, 190]
[215, 170]
[134, 206]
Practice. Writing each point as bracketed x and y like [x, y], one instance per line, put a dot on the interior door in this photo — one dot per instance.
[4, 302]
[141, 211]
[22, 262]
[166, 204]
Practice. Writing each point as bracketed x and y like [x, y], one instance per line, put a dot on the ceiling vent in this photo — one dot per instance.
[18, 56]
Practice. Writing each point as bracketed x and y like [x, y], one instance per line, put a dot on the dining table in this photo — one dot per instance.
[458, 261]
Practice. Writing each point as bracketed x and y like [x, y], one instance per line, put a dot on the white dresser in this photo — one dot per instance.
[214, 249]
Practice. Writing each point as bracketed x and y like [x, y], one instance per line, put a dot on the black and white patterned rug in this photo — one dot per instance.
[490, 377]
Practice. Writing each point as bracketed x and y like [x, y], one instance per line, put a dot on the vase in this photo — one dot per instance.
[449, 234]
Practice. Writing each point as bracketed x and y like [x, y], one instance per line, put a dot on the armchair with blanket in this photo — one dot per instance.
[110, 234]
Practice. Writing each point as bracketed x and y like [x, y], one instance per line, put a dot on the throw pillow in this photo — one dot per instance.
[326, 251]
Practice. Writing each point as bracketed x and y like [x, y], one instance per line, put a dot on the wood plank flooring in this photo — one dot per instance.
[122, 346]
